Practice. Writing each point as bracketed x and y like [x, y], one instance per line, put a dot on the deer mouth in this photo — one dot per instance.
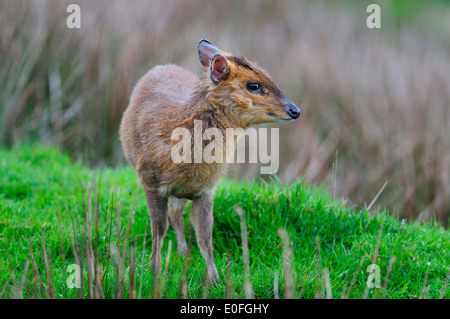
[277, 118]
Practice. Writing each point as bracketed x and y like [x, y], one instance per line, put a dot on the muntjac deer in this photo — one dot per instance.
[234, 92]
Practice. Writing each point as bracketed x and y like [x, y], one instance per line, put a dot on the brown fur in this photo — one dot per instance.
[168, 97]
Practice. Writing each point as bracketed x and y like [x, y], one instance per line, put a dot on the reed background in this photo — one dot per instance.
[375, 103]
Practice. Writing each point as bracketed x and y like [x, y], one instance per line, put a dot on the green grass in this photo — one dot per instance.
[44, 198]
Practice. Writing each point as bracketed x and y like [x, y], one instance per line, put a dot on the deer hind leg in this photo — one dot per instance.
[176, 208]
[202, 219]
[157, 207]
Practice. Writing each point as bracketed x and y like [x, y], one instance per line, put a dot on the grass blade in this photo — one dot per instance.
[248, 289]
[287, 264]
[142, 261]
[326, 278]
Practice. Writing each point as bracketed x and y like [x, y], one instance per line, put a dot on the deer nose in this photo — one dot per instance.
[293, 110]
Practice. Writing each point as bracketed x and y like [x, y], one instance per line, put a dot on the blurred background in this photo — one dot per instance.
[375, 102]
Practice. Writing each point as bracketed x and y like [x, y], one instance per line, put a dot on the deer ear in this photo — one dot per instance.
[219, 68]
[211, 57]
[206, 51]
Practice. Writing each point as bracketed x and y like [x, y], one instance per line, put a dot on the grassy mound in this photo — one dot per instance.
[301, 243]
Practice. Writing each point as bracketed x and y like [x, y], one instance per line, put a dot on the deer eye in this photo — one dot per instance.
[253, 86]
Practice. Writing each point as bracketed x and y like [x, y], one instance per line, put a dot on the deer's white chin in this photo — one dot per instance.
[281, 119]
